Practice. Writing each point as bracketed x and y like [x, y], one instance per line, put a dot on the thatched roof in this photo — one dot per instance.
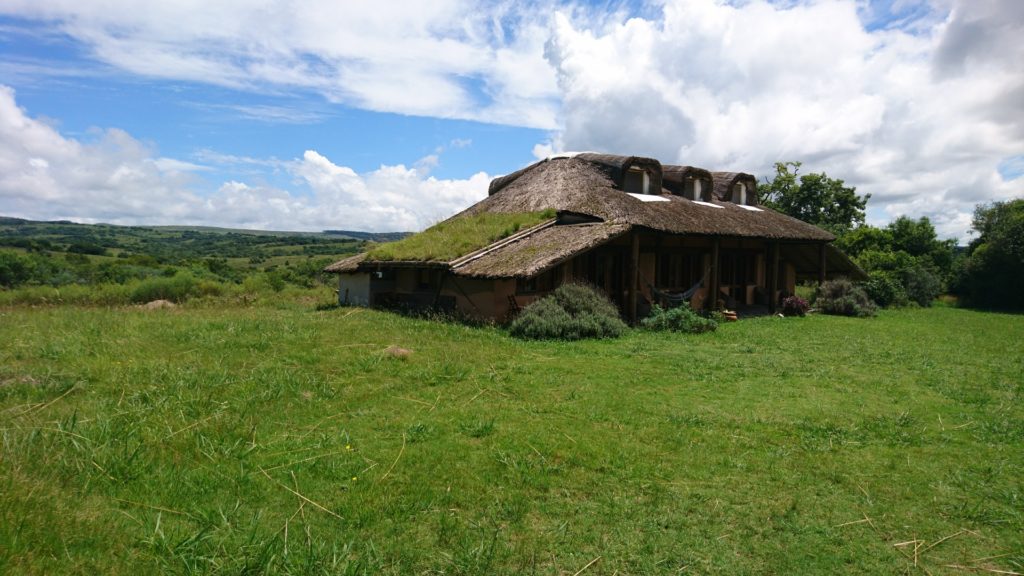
[675, 178]
[724, 182]
[350, 264]
[589, 185]
[806, 259]
[534, 253]
[580, 186]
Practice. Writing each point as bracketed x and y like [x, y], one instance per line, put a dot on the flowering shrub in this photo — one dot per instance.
[842, 298]
[571, 312]
[795, 306]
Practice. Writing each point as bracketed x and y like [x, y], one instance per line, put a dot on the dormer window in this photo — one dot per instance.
[692, 188]
[637, 181]
[739, 193]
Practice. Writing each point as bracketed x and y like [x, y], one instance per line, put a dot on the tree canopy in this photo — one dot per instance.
[814, 198]
[993, 273]
[906, 261]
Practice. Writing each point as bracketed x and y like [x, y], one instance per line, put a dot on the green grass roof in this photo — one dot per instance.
[454, 238]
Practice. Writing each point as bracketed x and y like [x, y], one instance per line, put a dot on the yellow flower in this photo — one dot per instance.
[354, 478]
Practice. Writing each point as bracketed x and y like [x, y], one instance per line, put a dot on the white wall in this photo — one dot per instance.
[354, 289]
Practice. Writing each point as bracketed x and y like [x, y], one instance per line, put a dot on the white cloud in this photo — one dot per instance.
[920, 117]
[444, 58]
[917, 102]
[116, 179]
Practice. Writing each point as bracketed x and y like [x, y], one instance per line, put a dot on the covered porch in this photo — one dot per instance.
[643, 268]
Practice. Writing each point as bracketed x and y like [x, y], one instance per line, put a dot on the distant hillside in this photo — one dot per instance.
[369, 236]
[176, 243]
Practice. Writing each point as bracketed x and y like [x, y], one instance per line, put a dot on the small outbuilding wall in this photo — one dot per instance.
[354, 289]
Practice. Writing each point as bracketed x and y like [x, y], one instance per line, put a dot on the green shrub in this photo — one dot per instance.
[841, 297]
[14, 270]
[571, 312]
[884, 289]
[678, 319]
[177, 288]
[921, 285]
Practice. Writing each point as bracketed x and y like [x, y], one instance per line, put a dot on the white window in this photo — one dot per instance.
[637, 181]
[696, 190]
[739, 193]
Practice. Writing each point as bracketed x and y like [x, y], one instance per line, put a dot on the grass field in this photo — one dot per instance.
[209, 439]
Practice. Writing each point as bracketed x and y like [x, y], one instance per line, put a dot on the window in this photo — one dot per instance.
[637, 181]
[692, 189]
[739, 193]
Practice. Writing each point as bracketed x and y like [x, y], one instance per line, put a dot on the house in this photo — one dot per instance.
[642, 232]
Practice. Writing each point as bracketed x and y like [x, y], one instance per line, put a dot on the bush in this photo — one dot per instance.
[841, 297]
[14, 270]
[571, 312]
[921, 285]
[884, 289]
[678, 319]
[795, 306]
[177, 288]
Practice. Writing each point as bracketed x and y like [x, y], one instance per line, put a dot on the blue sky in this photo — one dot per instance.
[391, 116]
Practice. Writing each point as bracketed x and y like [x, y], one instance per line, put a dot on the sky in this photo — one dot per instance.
[393, 115]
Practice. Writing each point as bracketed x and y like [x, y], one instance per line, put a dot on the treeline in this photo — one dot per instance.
[905, 260]
[169, 245]
[66, 262]
[56, 269]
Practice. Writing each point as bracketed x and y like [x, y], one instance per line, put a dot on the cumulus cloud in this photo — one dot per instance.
[917, 102]
[116, 179]
[444, 58]
[919, 115]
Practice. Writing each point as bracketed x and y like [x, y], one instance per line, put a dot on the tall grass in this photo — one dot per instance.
[285, 440]
[459, 236]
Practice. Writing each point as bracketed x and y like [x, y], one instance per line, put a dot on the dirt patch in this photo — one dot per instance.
[15, 380]
[398, 352]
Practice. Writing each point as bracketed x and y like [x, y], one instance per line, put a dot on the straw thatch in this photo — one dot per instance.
[806, 260]
[588, 186]
[350, 264]
[724, 182]
[542, 250]
[679, 180]
[580, 186]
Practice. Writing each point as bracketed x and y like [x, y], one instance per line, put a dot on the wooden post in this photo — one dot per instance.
[713, 289]
[634, 275]
[821, 265]
[773, 290]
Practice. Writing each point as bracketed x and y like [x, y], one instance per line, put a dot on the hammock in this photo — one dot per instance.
[672, 300]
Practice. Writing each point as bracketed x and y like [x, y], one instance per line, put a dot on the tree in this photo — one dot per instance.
[863, 239]
[905, 261]
[814, 198]
[993, 272]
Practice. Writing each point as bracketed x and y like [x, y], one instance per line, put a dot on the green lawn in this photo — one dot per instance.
[287, 440]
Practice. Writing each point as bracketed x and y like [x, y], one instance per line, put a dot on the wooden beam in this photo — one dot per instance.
[634, 275]
[773, 300]
[713, 288]
[821, 263]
